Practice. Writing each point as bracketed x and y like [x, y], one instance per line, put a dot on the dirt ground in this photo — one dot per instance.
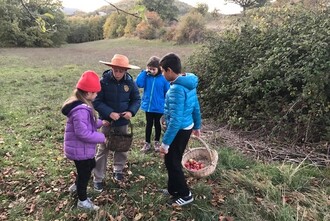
[266, 150]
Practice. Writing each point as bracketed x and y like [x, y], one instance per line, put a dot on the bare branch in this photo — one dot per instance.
[26, 8]
[120, 10]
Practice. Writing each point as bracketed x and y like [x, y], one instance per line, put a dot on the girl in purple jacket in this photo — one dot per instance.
[81, 135]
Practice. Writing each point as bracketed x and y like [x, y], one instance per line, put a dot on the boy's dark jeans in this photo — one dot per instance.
[84, 171]
[177, 185]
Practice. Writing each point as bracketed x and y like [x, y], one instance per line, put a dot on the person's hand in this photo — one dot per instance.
[196, 133]
[105, 123]
[114, 116]
[127, 115]
[163, 149]
[162, 152]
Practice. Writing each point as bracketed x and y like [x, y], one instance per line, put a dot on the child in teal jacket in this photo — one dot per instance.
[182, 117]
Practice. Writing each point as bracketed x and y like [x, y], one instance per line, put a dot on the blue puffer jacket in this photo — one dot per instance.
[81, 135]
[181, 106]
[154, 91]
[117, 96]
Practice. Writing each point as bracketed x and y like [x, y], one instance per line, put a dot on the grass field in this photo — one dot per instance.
[35, 176]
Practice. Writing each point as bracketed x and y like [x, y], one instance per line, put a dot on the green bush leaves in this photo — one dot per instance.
[273, 75]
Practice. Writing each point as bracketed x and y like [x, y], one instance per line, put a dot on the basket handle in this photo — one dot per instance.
[206, 146]
[129, 124]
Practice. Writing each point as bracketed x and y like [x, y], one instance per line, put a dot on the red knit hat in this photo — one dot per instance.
[89, 82]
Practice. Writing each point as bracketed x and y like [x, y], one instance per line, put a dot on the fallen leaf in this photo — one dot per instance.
[138, 216]
[225, 218]
[258, 199]
[32, 208]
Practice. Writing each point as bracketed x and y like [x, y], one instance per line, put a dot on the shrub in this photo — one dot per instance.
[191, 28]
[145, 31]
[132, 22]
[150, 27]
[83, 29]
[114, 26]
[274, 74]
[169, 32]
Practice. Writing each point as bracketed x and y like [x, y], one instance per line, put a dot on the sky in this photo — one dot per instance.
[91, 5]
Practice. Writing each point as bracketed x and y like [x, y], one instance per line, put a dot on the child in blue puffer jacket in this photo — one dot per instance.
[154, 87]
[183, 117]
[81, 135]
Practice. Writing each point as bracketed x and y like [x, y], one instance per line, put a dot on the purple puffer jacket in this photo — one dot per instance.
[81, 135]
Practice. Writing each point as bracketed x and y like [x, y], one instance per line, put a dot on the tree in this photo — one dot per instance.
[215, 13]
[95, 24]
[132, 22]
[114, 26]
[32, 23]
[165, 8]
[9, 25]
[245, 4]
[202, 8]
[84, 29]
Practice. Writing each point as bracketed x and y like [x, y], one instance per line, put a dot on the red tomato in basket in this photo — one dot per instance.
[193, 165]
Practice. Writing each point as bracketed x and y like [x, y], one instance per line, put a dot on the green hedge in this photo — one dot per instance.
[272, 75]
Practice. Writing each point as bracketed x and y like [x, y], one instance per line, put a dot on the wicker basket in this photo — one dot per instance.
[202, 154]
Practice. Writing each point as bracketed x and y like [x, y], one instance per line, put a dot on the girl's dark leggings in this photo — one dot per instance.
[153, 119]
[84, 171]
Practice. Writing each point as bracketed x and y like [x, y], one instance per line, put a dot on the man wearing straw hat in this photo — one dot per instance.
[117, 102]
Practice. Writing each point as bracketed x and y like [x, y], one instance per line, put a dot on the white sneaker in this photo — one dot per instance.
[73, 188]
[146, 147]
[87, 204]
[157, 146]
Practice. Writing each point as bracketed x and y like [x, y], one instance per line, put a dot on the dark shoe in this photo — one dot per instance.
[98, 186]
[181, 201]
[164, 192]
[118, 176]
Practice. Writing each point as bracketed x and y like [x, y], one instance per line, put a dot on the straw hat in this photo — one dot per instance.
[119, 60]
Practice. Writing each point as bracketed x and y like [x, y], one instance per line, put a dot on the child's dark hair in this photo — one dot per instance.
[153, 62]
[172, 61]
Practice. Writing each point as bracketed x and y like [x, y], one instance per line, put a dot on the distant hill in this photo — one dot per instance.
[126, 5]
[183, 7]
[69, 11]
